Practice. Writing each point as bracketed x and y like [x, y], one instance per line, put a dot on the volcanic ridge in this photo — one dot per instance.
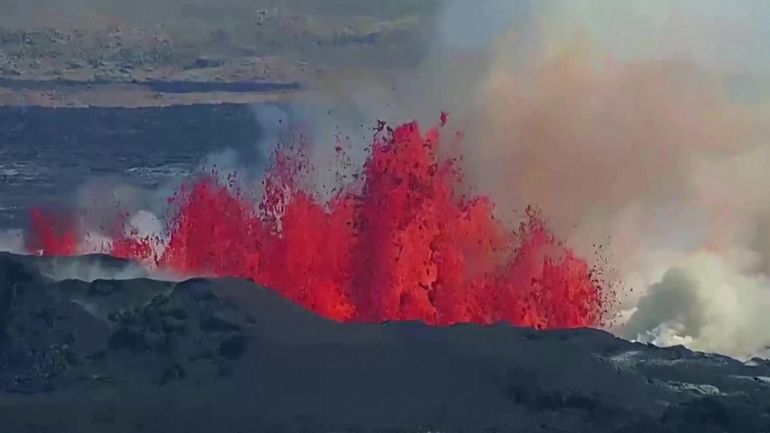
[228, 355]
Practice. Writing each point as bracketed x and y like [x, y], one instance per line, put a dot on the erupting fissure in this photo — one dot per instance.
[398, 243]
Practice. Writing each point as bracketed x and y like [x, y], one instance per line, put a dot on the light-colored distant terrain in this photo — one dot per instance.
[49, 48]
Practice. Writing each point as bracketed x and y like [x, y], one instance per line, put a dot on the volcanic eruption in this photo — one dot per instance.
[651, 147]
[402, 241]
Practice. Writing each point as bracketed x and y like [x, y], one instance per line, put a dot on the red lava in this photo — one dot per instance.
[398, 244]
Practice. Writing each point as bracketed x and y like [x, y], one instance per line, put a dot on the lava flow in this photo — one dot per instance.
[400, 243]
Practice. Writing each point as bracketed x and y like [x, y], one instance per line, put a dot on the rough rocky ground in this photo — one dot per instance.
[227, 356]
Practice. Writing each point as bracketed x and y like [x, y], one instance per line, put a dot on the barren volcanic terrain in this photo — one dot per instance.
[208, 356]
[170, 52]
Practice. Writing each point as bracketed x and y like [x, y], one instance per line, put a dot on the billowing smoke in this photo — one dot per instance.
[638, 128]
[709, 302]
[641, 126]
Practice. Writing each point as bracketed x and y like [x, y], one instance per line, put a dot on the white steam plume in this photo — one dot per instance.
[709, 302]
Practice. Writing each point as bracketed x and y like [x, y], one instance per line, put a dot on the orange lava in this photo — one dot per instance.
[400, 243]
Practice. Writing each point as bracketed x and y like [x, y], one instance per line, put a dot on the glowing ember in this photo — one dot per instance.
[402, 245]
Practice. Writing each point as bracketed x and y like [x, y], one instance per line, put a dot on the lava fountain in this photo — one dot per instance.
[398, 242]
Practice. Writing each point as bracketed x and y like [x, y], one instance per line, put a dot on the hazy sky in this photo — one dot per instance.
[732, 35]
[727, 34]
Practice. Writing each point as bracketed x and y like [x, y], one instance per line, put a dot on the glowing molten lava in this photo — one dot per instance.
[401, 244]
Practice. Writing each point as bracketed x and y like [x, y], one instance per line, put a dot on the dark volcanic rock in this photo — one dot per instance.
[229, 356]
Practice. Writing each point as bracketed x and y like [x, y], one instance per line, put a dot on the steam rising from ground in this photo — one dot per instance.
[90, 270]
[710, 303]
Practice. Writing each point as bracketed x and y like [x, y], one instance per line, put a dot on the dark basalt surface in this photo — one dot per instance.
[229, 356]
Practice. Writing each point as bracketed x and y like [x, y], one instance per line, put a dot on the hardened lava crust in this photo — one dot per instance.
[139, 355]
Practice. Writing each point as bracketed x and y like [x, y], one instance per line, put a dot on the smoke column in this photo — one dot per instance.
[639, 125]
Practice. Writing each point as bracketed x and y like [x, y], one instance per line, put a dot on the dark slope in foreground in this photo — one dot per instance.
[228, 356]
